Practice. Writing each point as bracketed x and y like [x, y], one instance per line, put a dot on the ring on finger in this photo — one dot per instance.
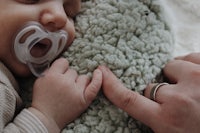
[155, 89]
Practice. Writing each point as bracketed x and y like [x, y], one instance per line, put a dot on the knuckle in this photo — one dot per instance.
[62, 61]
[191, 55]
[195, 73]
[73, 71]
[182, 99]
[181, 104]
[170, 63]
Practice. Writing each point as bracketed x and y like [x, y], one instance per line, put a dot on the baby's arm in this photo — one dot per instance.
[58, 98]
[24, 122]
[61, 95]
[10, 103]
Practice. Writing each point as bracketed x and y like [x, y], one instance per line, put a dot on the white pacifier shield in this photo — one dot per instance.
[29, 36]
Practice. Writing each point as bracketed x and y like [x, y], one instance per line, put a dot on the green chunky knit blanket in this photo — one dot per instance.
[132, 38]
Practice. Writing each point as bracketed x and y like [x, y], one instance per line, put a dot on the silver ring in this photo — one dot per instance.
[155, 89]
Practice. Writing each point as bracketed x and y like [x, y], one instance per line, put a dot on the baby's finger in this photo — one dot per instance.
[59, 66]
[94, 86]
[83, 81]
[193, 57]
[71, 75]
[133, 103]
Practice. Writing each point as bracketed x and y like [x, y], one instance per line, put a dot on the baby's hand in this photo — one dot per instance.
[62, 95]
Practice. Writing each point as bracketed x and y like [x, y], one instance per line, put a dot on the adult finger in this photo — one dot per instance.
[176, 70]
[94, 86]
[133, 103]
[193, 57]
[59, 66]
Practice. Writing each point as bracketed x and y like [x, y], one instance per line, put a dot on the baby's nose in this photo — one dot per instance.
[54, 17]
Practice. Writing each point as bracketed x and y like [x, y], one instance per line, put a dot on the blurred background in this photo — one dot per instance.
[184, 18]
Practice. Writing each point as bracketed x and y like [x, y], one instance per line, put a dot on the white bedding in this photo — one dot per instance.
[184, 19]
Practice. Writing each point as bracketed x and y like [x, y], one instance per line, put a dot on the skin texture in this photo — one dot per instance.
[177, 105]
[61, 94]
[65, 94]
[16, 13]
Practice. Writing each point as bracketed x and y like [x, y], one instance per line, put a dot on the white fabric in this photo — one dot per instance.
[184, 18]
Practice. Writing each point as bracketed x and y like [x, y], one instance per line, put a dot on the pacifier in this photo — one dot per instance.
[38, 47]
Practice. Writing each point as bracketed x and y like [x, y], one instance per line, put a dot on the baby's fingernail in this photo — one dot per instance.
[103, 68]
[98, 71]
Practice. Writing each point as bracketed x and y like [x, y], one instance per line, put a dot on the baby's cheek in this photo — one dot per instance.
[71, 32]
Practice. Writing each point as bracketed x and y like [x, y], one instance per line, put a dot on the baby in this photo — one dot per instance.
[33, 33]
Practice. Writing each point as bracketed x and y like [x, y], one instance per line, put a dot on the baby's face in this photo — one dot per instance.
[53, 15]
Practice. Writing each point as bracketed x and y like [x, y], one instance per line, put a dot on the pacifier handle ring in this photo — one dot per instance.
[22, 49]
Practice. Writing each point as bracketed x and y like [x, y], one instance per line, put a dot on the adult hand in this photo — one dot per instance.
[62, 95]
[176, 105]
